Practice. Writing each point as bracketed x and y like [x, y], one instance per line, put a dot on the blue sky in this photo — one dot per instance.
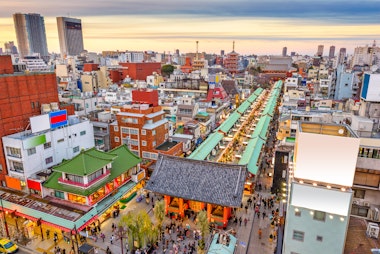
[260, 27]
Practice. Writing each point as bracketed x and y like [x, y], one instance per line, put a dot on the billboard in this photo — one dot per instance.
[33, 141]
[40, 123]
[58, 118]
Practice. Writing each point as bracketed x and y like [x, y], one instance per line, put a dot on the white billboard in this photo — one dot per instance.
[40, 123]
[326, 158]
[321, 199]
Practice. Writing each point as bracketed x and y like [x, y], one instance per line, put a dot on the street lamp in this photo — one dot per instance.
[5, 220]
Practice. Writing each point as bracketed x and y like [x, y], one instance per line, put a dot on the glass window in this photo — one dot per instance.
[47, 145]
[60, 140]
[59, 194]
[153, 132]
[31, 151]
[359, 193]
[319, 238]
[143, 143]
[83, 133]
[76, 149]
[116, 139]
[143, 132]
[116, 128]
[318, 215]
[298, 235]
[49, 160]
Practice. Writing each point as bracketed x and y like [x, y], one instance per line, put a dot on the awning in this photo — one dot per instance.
[34, 185]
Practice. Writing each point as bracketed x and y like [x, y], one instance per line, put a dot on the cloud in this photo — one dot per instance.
[336, 11]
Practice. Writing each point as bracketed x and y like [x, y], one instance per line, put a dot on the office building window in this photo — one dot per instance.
[31, 151]
[143, 143]
[116, 139]
[143, 132]
[318, 215]
[298, 235]
[116, 128]
[83, 133]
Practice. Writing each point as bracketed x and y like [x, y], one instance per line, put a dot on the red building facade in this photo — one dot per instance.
[139, 71]
[21, 97]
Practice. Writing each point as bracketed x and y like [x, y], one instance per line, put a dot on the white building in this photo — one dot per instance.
[33, 151]
[319, 193]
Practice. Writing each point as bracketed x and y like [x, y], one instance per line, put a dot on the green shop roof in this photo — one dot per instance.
[85, 163]
[124, 160]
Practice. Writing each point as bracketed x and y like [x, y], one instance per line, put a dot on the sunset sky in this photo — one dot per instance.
[257, 27]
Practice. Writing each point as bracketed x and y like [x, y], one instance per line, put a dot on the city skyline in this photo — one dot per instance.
[257, 27]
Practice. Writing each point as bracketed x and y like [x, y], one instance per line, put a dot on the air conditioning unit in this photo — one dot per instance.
[372, 230]
[367, 204]
[355, 202]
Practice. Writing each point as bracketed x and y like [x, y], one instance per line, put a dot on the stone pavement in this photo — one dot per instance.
[248, 240]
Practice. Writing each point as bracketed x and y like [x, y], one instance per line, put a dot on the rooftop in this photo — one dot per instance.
[341, 130]
[198, 180]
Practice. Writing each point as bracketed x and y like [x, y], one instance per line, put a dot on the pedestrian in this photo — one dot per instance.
[260, 232]
[245, 222]
[264, 214]
[102, 236]
[111, 239]
[113, 226]
[240, 220]
[258, 214]
[108, 251]
[246, 209]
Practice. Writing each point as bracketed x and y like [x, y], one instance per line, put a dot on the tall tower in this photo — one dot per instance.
[284, 51]
[320, 50]
[70, 36]
[31, 35]
[332, 52]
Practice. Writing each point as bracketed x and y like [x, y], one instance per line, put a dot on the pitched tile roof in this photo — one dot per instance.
[124, 160]
[86, 162]
[204, 181]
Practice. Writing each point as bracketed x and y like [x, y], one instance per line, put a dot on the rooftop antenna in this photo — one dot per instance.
[196, 54]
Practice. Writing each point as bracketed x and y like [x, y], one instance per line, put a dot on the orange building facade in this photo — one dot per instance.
[142, 127]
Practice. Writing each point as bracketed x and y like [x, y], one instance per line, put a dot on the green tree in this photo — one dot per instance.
[167, 69]
[139, 228]
[159, 214]
[204, 227]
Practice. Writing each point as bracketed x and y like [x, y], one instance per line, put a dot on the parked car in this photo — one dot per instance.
[7, 246]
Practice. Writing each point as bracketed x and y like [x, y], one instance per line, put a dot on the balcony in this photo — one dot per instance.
[138, 176]
[83, 185]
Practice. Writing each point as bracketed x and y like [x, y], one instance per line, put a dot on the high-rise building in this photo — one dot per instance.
[31, 35]
[70, 36]
[342, 55]
[332, 52]
[319, 188]
[320, 50]
[284, 51]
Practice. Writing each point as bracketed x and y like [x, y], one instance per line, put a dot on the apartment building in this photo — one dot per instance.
[320, 188]
[30, 152]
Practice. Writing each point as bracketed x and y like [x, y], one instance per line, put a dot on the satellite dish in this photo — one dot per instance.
[374, 68]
